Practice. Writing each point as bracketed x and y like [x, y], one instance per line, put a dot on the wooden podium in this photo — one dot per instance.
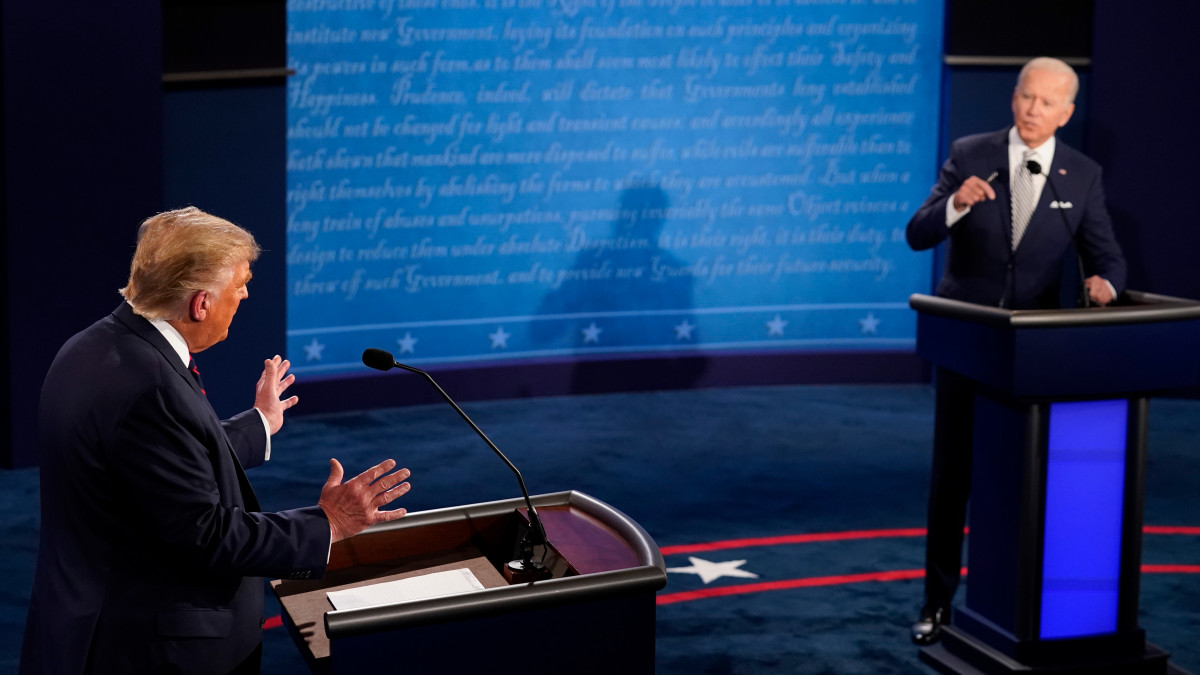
[1061, 402]
[594, 615]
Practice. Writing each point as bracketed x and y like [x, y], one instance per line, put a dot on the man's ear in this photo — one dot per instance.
[198, 306]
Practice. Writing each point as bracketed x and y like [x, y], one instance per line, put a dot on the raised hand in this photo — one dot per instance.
[971, 192]
[271, 385]
[354, 506]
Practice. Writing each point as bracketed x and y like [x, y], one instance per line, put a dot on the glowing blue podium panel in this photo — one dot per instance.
[498, 180]
[1084, 514]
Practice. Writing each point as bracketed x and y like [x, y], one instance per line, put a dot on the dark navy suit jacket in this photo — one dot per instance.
[980, 265]
[151, 538]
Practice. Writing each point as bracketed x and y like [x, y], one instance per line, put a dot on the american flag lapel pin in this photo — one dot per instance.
[1062, 172]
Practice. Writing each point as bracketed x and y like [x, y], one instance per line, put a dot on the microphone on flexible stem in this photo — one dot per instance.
[1035, 169]
[525, 568]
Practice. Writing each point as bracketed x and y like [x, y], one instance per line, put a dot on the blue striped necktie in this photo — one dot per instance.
[1022, 198]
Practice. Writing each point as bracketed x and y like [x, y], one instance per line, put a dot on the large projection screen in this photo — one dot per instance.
[484, 181]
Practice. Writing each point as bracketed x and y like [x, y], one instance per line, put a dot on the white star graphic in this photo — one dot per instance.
[407, 343]
[499, 338]
[312, 350]
[775, 326]
[710, 571]
[869, 324]
[591, 333]
[684, 330]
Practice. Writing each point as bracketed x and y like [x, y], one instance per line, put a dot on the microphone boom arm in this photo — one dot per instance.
[537, 532]
[1085, 299]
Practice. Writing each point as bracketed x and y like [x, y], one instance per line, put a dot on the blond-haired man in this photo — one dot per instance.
[152, 537]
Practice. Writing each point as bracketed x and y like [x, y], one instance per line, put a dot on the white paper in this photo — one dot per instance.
[452, 582]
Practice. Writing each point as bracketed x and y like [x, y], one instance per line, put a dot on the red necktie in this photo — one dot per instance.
[196, 374]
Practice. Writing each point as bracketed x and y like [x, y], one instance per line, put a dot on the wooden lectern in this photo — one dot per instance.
[1057, 477]
[594, 615]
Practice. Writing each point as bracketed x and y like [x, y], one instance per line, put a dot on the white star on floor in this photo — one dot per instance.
[775, 326]
[499, 338]
[870, 324]
[710, 571]
[312, 350]
[407, 343]
[591, 333]
[684, 330]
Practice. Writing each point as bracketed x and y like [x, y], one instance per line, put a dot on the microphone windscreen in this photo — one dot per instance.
[1034, 167]
[378, 359]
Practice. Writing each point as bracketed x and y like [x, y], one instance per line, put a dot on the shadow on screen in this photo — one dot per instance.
[625, 297]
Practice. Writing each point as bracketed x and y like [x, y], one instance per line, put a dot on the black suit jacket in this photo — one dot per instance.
[980, 264]
[151, 539]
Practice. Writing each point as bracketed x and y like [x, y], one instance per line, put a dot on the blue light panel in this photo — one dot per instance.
[1085, 482]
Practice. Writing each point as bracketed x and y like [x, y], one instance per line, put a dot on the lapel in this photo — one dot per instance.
[997, 156]
[145, 330]
[1043, 217]
[149, 333]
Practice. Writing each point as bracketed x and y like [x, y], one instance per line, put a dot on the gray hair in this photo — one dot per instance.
[1052, 65]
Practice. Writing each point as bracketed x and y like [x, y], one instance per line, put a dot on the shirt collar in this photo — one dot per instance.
[174, 338]
[1017, 148]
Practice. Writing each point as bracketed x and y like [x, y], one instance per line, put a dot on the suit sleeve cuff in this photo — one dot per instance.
[954, 215]
[266, 431]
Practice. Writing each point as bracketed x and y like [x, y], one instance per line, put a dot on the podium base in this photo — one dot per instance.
[525, 571]
[960, 654]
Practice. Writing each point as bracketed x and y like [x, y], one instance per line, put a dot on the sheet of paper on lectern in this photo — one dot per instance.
[452, 582]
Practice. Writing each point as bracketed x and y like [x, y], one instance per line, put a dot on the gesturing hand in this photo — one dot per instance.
[973, 190]
[353, 506]
[271, 385]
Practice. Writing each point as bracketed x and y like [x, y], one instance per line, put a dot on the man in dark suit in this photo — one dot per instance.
[152, 539]
[1007, 240]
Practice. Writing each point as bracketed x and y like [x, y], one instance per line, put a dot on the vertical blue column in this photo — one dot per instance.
[1085, 481]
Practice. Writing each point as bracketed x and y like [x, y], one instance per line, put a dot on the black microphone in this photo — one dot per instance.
[526, 568]
[1035, 169]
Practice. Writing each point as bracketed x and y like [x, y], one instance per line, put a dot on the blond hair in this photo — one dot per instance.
[179, 253]
[1052, 65]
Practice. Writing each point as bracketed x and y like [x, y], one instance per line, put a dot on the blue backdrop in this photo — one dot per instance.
[490, 181]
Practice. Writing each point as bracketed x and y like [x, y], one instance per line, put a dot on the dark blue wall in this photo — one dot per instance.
[82, 148]
[224, 153]
[1143, 131]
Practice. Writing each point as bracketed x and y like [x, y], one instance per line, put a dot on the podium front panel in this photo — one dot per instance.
[1084, 512]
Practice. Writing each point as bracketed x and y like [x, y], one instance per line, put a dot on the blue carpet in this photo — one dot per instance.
[695, 467]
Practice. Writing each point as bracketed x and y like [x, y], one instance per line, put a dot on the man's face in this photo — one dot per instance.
[1040, 105]
[222, 307]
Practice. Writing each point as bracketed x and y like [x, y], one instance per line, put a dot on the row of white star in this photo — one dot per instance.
[591, 335]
